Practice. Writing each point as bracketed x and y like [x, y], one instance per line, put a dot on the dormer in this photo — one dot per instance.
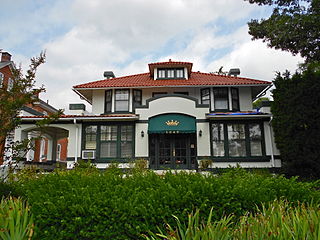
[170, 70]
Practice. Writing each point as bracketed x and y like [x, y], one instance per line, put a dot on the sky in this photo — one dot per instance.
[84, 38]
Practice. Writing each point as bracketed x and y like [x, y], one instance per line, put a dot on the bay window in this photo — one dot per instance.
[237, 139]
[112, 141]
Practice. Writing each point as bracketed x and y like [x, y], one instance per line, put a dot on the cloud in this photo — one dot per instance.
[84, 38]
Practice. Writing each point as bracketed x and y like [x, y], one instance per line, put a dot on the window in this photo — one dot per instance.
[122, 100]
[170, 73]
[108, 101]
[220, 99]
[205, 96]
[110, 141]
[91, 137]
[1, 79]
[255, 139]
[182, 93]
[137, 98]
[237, 140]
[10, 84]
[235, 99]
[157, 94]
[59, 152]
[217, 139]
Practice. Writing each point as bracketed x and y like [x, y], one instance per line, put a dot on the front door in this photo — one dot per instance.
[176, 151]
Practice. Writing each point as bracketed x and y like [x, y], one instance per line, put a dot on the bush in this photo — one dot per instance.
[15, 219]
[95, 205]
[278, 220]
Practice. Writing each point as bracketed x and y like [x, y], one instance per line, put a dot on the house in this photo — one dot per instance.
[171, 116]
[38, 108]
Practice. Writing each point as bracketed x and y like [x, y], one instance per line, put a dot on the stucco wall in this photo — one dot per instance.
[98, 101]
[245, 99]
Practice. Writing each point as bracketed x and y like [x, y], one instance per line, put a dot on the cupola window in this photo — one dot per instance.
[170, 73]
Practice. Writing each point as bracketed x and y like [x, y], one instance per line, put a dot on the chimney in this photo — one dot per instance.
[5, 57]
[108, 74]
[234, 72]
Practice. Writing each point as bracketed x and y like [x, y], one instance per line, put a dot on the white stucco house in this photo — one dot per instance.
[171, 116]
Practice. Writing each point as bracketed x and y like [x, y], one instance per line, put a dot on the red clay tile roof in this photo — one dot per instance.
[196, 79]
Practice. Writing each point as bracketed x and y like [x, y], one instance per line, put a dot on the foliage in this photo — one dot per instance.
[277, 220]
[111, 205]
[16, 221]
[258, 102]
[293, 26]
[296, 121]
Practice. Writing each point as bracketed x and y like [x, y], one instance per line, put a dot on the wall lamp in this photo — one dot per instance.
[142, 133]
[200, 133]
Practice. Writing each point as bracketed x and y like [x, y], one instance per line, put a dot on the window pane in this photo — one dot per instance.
[221, 104]
[126, 133]
[218, 140]
[161, 73]
[108, 133]
[220, 98]
[91, 137]
[137, 98]
[126, 149]
[122, 105]
[205, 96]
[108, 100]
[237, 141]
[255, 139]
[108, 149]
[170, 73]
[122, 94]
[235, 99]
[180, 73]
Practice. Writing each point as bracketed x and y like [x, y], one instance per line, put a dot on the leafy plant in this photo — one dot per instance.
[16, 221]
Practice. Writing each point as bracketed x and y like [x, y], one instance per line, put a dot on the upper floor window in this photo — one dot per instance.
[122, 100]
[108, 101]
[157, 94]
[235, 99]
[170, 73]
[1, 79]
[221, 99]
[10, 84]
[137, 98]
[205, 96]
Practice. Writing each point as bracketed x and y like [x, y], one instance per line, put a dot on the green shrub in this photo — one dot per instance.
[111, 205]
[278, 220]
[16, 221]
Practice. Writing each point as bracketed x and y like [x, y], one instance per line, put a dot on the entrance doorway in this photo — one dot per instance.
[175, 151]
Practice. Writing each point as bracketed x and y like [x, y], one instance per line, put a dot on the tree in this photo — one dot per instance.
[11, 101]
[296, 110]
[293, 26]
[257, 103]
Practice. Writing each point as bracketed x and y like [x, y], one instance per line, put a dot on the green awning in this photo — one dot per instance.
[172, 123]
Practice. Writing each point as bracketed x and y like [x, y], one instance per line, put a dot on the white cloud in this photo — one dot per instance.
[125, 35]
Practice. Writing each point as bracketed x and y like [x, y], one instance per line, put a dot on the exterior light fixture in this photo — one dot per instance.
[142, 133]
[200, 133]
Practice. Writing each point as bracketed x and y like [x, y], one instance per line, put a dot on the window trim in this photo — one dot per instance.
[175, 73]
[115, 100]
[118, 157]
[214, 100]
[248, 157]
